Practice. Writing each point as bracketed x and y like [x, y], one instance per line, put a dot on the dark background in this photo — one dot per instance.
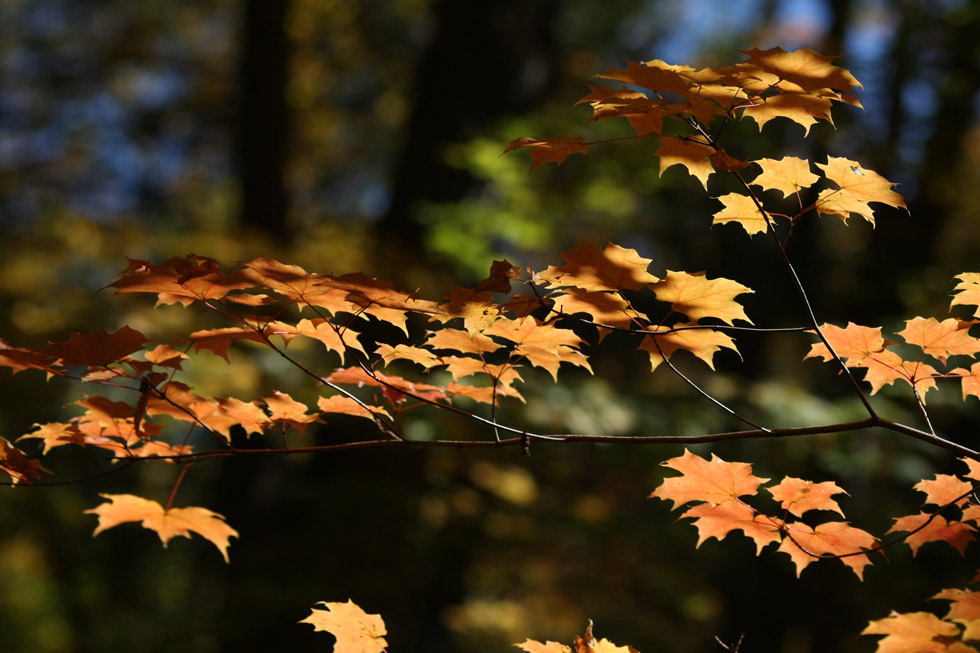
[346, 136]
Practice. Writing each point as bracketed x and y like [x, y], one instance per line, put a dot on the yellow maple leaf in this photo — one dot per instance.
[123, 508]
[688, 153]
[698, 297]
[743, 211]
[356, 631]
[788, 175]
[857, 187]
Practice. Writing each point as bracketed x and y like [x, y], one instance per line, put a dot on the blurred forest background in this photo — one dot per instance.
[344, 136]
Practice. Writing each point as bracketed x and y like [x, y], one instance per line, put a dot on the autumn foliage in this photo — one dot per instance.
[469, 350]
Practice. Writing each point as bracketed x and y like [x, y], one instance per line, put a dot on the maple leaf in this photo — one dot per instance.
[602, 307]
[788, 175]
[463, 341]
[713, 482]
[179, 280]
[916, 632]
[802, 108]
[165, 356]
[379, 299]
[417, 355]
[347, 406]
[806, 69]
[719, 520]
[395, 388]
[864, 347]
[19, 465]
[589, 268]
[320, 329]
[805, 543]
[542, 344]
[96, 348]
[645, 116]
[55, 434]
[501, 274]
[968, 291]
[123, 508]
[854, 343]
[974, 468]
[964, 610]
[686, 152]
[941, 339]
[356, 631]
[721, 160]
[477, 308]
[857, 187]
[546, 150]
[222, 414]
[19, 359]
[955, 533]
[218, 340]
[703, 343]
[741, 210]
[286, 410]
[798, 496]
[698, 297]
[532, 646]
[944, 489]
[654, 75]
[970, 380]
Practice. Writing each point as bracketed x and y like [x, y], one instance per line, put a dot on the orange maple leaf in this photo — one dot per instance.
[180, 280]
[798, 496]
[804, 544]
[356, 631]
[968, 291]
[955, 533]
[944, 489]
[588, 267]
[543, 344]
[857, 187]
[713, 482]
[320, 329]
[122, 508]
[914, 632]
[719, 520]
[698, 297]
[224, 413]
[218, 340]
[285, 410]
[964, 610]
[547, 150]
[941, 339]
[862, 346]
[347, 406]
